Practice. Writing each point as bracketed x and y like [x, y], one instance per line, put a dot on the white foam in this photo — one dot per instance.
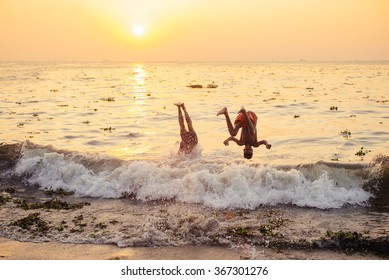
[193, 180]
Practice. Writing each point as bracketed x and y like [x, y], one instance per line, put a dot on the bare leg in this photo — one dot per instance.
[231, 129]
[180, 119]
[232, 138]
[187, 118]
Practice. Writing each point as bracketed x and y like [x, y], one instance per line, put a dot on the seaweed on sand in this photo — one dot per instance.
[238, 231]
[268, 228]
[350, 242]
[50, 204]
[4, 198]
[78, 223]
[32, 221]
[59, 192]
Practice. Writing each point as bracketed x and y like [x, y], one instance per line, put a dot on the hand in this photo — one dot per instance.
[225, 143]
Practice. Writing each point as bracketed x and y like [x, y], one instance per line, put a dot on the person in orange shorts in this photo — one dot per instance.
[188, 137]
[247, 121]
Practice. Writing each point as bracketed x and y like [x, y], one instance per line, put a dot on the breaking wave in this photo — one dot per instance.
[215, 183]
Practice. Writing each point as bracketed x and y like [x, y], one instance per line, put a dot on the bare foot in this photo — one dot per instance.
[222, 111]
[268, 146]
[242, 110]
[179, 104]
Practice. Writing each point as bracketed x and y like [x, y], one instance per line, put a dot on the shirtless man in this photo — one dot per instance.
[248, 137]
[188, 137]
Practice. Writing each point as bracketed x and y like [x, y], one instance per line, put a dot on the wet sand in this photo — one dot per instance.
[17, 250]
[103, 229]
[292, 241]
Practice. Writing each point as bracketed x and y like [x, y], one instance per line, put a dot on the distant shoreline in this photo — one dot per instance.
[302, 61]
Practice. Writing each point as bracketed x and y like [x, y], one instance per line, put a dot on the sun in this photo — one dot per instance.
[138, 30]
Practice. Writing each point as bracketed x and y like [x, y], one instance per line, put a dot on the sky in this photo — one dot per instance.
[193, 30]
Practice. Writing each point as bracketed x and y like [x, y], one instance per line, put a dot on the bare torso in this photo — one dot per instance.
[189, 141]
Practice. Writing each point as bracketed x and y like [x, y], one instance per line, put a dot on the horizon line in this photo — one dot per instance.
[302, 61]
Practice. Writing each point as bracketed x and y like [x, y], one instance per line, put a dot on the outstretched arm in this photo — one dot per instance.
[232, 138]
[262, 142]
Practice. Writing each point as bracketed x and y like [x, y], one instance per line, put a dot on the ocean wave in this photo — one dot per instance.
[211, 182]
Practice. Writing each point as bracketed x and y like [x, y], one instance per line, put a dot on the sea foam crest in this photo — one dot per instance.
[214, 184]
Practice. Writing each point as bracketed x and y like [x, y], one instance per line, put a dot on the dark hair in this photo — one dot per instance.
[248, 154]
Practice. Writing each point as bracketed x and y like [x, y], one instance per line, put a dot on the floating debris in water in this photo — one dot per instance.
[335, 158]
[213, 85]
[109, 129]
[195, 86]
[362, 152]
[270, 99]
[346, 134]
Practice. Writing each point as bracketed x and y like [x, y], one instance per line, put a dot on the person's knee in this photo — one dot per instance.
[233, 132]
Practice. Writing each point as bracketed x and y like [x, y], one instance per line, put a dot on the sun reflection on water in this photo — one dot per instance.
[138, 77]
[138, 90]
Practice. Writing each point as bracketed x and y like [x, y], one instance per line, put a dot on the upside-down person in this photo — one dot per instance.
[247, 121]
[188, 136]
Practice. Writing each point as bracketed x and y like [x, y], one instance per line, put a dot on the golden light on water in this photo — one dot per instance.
[138, 83]
[138, 77]
[138, 88]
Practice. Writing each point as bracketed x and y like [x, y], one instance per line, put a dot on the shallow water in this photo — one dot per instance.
[195, 179]
[309, 112]
[109, 133]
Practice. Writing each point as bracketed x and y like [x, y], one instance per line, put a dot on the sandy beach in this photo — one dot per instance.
[16, 250]
[37, 224]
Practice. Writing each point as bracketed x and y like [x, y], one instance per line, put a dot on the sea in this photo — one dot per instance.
[106, 134]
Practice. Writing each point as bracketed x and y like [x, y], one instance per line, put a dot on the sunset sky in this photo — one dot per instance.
[193, 30]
